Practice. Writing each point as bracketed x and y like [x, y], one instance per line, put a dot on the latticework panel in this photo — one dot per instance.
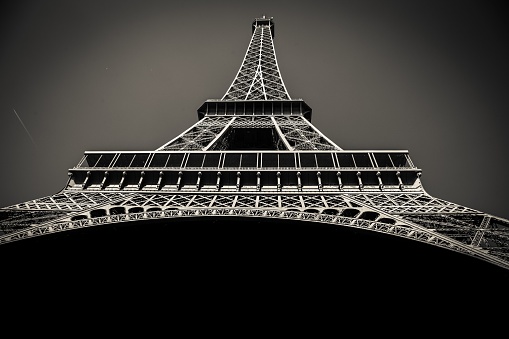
[454, 221]
[472, 230]
[401, 203]
[407, 230]
[258, 77]
[199, 135]
[52, 208]
[314, 201]
[15, 220]
[301, 135]
[252, 122]
[299, 202]
[335, 201]
[68, 201]
[246, 201]
[298, 133]
[454, 227]
[156, 200]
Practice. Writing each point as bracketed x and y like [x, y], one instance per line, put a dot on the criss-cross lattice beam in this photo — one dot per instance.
[258, 77]
[301, 135]
[412, 203]
[198, 136]
[405, 230]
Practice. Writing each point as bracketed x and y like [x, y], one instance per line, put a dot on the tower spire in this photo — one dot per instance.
[258, 77]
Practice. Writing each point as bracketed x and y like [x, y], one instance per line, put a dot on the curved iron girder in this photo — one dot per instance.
[407, 231]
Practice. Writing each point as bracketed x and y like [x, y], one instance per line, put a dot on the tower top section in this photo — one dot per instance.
[263, 21]
[258, 77]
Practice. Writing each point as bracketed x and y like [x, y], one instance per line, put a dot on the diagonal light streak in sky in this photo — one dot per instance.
[24, 127]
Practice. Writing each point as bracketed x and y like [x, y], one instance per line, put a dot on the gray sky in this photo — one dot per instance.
[430, 77]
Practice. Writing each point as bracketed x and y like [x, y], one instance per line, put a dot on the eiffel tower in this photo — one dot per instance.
[255, 158]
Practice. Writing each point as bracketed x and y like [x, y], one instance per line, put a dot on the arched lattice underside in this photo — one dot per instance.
[408, 231]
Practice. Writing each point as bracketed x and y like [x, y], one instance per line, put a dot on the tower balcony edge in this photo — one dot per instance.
[213, 107]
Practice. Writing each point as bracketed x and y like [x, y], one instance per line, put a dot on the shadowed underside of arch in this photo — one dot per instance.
[262, 246]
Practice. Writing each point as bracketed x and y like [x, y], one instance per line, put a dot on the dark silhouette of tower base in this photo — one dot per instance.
[254, 191]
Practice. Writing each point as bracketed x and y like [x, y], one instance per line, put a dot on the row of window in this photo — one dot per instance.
[246, 160]
[261, 107]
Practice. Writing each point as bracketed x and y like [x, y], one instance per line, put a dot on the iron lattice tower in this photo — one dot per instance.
[254, 153]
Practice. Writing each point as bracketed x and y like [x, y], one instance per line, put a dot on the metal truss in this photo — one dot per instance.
[302, 135]
[258, 76]
[52, 208]
[468, 226]
[68, 201]
[15, 220]
[483, 231]
[453, 224]
[335, 211]
[295, 133]
[402, 203]
[198, 136]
